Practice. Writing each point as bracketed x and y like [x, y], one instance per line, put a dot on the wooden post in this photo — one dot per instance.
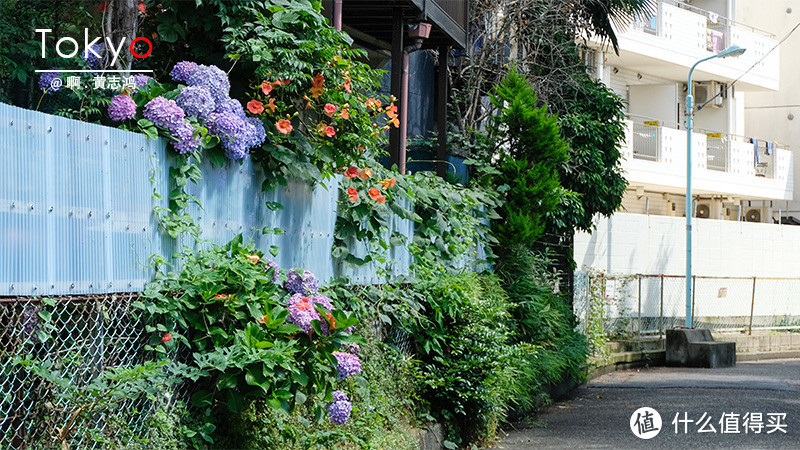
[396, 77]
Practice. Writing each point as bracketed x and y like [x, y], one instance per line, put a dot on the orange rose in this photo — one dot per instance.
[366, 173]
[266, 88]
[253, 258]
[352, 194]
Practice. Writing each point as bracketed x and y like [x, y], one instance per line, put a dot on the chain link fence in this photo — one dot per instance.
[635, 305]
[82, 337]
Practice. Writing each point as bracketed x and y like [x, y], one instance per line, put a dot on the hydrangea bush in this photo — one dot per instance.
[249, 336]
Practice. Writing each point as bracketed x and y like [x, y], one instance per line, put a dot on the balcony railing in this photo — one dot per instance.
[456, 9]
[648, 139]
[716, 152]
[677, 30]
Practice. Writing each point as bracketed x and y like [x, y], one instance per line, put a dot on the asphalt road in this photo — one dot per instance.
[598, 414]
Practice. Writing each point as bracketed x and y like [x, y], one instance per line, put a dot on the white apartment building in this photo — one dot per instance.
[742, 174]
[733, 171]
[776, 113]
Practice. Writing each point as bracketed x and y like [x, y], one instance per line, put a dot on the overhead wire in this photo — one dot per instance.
[753, 66]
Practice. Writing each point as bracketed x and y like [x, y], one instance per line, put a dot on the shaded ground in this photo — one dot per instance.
[598, 414]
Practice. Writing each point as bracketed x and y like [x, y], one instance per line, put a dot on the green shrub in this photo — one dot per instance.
[542, 319]
[226, 309]
[382, 414]
[468, 367]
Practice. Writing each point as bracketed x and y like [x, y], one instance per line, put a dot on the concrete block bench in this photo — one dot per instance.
[697, 348]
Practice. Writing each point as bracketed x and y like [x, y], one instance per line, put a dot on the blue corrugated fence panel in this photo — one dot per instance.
[76, 204]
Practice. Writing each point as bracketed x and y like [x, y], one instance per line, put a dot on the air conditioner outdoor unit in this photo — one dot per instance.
[758, 214]
[705, 91]
[709, 209]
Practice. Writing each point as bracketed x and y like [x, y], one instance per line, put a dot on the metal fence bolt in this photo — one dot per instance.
[141, 149]
[31, 207]
[72, 286]
[11, 288]
[13, 205]
[130, 284]
[51, 209]
[127, 227]
[69, 133]
[49, 129]
[125, 145]
[91, 285]
[108, 214]
[87, 138]
[71, 213]
[90, 214]
[30, 126]
[34, 288]
[144, 228]
[12, 123]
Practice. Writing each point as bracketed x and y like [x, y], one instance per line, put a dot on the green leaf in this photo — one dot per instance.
[202, 399]
[226, 381]
[274, 250]
[46, 315]
[300, 398]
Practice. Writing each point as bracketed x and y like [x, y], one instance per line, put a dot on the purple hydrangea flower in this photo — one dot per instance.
[230, 106]
[340, 396]
[353, 348]
[30, 322]
[196, 101]
[302, 311]
[46, 80]
[92, 60]
[272, 264]
[186, 141]
[141, 79]
[257, 132]
[233, 132]
[182, 70]
[346, 364]
[122, 107]
[339, 411]
[297, 284]
[213, 78]
[164, 113]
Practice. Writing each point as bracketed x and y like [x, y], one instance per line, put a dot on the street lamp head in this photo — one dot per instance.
[733, 50]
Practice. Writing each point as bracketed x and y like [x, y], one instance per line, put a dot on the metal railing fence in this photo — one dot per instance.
[650, 304]
[90, 334]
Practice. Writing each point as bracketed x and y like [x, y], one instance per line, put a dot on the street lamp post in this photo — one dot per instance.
[733, 50]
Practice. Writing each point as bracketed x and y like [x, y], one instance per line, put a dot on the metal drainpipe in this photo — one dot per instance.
[337, 14]
[401, 164]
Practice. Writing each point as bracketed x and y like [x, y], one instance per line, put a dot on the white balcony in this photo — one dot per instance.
[679, 35]
[655, 157]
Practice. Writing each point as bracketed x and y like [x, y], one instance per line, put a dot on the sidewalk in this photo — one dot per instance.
[598, 414]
